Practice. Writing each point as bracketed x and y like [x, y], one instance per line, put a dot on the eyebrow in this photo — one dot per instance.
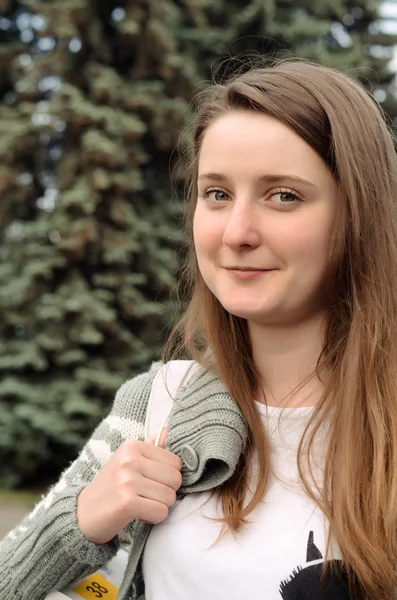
[269, 178]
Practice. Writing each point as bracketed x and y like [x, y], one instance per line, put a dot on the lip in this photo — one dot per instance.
[246, 269]
[247, 272]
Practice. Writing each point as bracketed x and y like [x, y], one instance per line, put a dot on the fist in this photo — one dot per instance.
[139, 481]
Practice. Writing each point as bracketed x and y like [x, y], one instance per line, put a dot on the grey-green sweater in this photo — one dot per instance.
[48, 551]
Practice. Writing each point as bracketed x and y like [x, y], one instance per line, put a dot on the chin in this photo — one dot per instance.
[248, 313]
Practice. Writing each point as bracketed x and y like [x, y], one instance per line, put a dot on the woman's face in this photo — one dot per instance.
[264, 219]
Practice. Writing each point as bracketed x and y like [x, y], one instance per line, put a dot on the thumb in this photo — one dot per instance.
[152, 439]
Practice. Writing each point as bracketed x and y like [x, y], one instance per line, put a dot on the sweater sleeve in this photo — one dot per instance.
[47, 550]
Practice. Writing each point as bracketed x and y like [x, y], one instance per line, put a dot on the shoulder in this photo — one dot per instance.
[127, 416]
[138, 385]
[132, 397]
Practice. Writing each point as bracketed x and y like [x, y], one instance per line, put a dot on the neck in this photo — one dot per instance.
[285, 357]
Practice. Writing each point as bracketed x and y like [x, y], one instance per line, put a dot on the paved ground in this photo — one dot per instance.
[10, 515]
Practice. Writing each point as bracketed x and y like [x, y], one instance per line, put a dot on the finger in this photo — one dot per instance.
[158, 454]
[164, 474]
[149, 511]
[163, 438]
[152, 439]
[146, 449]
[152, 490]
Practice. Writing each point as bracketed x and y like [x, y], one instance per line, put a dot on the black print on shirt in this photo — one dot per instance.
[305, 581]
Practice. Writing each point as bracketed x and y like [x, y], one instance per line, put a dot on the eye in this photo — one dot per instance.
[214, 194]
[286, 196]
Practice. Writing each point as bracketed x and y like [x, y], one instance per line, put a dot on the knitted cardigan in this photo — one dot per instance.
[48, 551]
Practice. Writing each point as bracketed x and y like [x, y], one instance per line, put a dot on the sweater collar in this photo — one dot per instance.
[207, 431]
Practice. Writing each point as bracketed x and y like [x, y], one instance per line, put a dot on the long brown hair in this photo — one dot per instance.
[348, 129]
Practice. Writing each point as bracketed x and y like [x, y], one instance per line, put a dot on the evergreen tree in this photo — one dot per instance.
[95, 93]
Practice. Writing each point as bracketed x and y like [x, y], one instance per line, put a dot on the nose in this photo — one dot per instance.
[242, 230]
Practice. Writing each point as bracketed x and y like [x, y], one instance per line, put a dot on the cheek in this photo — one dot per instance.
[313, 245]
[207, 235]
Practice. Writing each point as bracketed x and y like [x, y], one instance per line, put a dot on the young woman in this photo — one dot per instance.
[289, 486]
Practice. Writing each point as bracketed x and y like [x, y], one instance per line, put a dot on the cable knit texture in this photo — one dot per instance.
[48, 551]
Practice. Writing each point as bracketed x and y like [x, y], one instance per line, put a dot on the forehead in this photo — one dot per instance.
[245, 143]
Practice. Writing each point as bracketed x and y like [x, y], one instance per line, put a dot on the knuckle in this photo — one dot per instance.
[119, 481]
[133, 447]
[123, 504]
[121, 456]
[127, 486]
[134, 463]
[128, 483]
[130, 460]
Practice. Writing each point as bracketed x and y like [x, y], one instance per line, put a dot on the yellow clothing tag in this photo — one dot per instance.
[95, 587]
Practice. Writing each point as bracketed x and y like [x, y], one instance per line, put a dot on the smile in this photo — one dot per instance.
[247, 273]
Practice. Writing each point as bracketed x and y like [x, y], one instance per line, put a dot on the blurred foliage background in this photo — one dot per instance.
[94, 96]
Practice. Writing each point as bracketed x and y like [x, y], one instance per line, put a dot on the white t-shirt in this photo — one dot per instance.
[277, 556]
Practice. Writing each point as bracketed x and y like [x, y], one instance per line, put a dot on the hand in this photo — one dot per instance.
[139, 481]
